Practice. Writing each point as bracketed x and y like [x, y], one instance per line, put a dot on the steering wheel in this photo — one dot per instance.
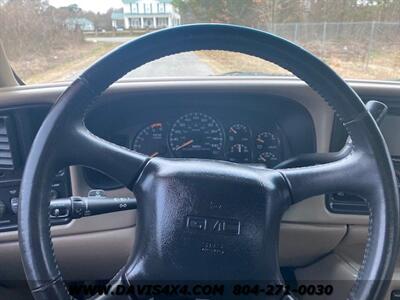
[181, 234]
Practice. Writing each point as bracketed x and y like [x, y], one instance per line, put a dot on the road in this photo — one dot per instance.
[181, 65]
[114, 39]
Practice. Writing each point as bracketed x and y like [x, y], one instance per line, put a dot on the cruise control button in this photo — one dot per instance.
[56, 212]
[59, 212]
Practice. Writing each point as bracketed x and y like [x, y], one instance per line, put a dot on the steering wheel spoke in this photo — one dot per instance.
[117, 288]
[114, 160]
[348, 174]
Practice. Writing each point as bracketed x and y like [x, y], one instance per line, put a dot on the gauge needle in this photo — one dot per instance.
[154, 154]
[260, 140]
[184, 145]
[233, 130]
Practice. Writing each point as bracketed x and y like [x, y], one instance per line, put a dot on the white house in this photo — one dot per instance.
[82, 23]
[145, 14]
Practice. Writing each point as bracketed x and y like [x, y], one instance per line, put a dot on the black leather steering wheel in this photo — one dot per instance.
[175, 195]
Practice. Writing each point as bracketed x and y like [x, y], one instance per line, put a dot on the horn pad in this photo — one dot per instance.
[206, 221]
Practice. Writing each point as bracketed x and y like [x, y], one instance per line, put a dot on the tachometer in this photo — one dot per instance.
[151, 140]
[196, 135]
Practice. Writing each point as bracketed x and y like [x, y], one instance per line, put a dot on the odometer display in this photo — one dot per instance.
[196, 135]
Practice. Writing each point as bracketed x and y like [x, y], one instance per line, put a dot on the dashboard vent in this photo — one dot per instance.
[6, 159]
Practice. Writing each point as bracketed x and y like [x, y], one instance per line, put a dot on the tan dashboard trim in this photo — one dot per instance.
[312, 211]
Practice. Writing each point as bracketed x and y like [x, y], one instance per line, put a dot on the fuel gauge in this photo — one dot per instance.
[268, 158]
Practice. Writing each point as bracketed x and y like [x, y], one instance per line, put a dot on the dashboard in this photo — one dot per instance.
[199, 135]
[236, 128]
[161, 116]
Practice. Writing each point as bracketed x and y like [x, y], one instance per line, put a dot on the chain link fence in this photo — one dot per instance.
[360, 41]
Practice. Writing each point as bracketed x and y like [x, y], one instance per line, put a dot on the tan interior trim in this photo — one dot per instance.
[80, 257]
[90, 255]
[302, 244]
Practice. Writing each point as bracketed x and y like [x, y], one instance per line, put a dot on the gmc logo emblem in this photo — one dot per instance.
[213, 225]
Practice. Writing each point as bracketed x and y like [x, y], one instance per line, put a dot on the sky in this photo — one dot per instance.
[93, 5]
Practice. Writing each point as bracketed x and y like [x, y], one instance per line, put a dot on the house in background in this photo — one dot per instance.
[147, 14]
[117, 19]
[79, 23]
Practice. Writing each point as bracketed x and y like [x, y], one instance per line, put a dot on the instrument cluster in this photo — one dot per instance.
[200, 135]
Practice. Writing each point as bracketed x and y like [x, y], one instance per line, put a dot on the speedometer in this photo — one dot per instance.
[196, 135]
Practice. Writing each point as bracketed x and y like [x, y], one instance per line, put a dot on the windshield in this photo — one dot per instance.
[55, 40]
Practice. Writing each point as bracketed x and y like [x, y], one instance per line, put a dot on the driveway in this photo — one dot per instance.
[113, 39]
[181, 65]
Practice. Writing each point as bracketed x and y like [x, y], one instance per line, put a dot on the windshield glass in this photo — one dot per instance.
[55, 40]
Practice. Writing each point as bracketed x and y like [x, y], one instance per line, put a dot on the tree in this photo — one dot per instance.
[28, 27]
[258, 13]
[224, 11]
